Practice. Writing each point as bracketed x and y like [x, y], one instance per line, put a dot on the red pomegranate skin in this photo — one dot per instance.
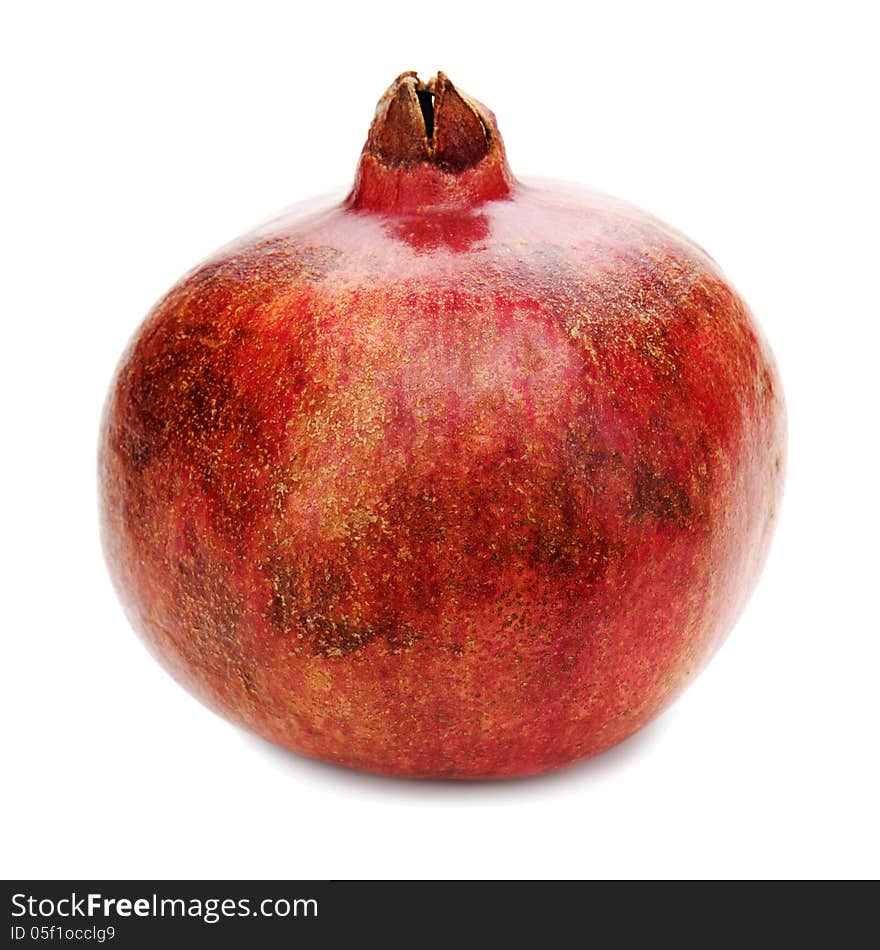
[462, 477]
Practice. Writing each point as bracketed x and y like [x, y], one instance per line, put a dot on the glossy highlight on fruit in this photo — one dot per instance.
[461, 477]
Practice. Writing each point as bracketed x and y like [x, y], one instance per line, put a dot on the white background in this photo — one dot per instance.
[140, 137]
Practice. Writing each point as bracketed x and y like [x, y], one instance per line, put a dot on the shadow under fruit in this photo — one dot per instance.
[462, 477]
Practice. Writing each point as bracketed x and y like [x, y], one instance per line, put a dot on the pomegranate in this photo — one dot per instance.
[461, 477]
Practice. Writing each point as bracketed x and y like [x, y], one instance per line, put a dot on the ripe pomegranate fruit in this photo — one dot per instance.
[461, 477]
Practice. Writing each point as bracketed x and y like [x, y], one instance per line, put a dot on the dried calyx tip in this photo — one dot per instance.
[429, 122]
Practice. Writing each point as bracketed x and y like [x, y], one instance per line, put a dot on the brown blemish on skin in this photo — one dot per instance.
[282, 607]
[658, 496]
[767, 383]
[247, 681]
[306, 606]
[337, 637]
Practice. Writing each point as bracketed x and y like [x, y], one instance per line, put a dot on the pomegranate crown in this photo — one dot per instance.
[430, 144]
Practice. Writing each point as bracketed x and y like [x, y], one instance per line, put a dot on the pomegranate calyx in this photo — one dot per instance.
[433, 122]
[430, 144]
